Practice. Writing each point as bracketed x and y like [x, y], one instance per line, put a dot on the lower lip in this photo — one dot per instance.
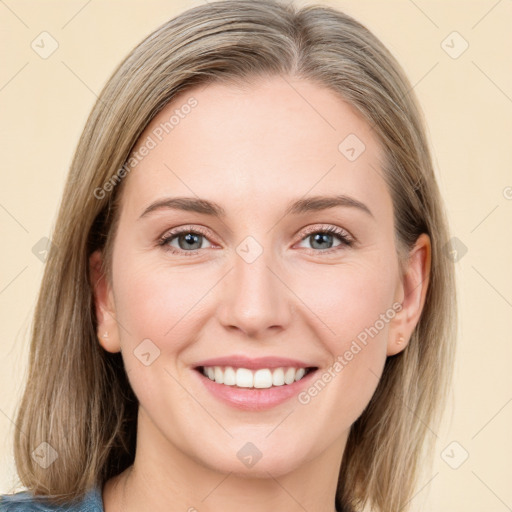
[251, 399]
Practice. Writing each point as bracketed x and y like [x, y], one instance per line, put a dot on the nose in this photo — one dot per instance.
[254, 297]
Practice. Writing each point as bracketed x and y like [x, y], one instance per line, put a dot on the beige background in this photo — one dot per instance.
[468, 106]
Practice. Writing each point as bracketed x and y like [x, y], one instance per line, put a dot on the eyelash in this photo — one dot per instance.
[344, 237]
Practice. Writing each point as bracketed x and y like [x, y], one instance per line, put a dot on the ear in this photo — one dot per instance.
[413, 289]
[107, 328]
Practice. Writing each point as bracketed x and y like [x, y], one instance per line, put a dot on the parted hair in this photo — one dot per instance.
[77, 397]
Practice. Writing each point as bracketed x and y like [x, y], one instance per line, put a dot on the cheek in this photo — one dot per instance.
[354, 303]
[157, 307]
[349, 298]
[158, 302]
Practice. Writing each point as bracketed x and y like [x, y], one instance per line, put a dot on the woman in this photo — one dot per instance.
[206, 350]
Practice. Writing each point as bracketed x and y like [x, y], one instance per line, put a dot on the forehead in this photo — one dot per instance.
[272, 140]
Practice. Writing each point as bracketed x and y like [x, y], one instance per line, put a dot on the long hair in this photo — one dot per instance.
[77, 397]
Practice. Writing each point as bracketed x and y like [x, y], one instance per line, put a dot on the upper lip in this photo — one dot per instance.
[239, 361]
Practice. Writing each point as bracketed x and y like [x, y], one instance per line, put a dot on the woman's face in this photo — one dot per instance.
[237, 271]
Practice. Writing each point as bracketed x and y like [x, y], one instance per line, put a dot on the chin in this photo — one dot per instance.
[253, 460]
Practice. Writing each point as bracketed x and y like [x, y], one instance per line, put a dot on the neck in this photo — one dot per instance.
[164, 477]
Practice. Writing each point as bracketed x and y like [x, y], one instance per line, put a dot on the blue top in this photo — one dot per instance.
[25, 502]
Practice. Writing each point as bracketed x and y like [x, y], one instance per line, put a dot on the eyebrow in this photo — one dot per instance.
[304, 205]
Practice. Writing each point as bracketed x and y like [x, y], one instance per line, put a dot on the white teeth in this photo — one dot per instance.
[289, 376]
[244, 378]
[260, 379]
[278, 377]
[229, 376]
[300, 373]
[263, 378]
[219, 376]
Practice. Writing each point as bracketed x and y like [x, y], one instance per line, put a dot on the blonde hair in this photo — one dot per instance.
[78, 398]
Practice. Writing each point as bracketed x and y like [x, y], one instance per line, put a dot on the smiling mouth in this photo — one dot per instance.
[262, 378]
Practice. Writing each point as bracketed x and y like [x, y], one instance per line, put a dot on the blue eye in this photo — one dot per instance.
[186, 238]
[324, 236]
[189, 240]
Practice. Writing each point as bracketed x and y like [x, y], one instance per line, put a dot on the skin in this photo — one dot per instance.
[252, 150]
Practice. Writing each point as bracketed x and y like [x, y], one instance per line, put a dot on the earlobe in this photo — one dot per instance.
[413, 288]
[106, 329]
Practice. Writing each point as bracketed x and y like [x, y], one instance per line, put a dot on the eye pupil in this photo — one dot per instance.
[190, 239]
[319, 238]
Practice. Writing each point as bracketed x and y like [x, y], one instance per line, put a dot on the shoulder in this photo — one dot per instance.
[25, 502]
